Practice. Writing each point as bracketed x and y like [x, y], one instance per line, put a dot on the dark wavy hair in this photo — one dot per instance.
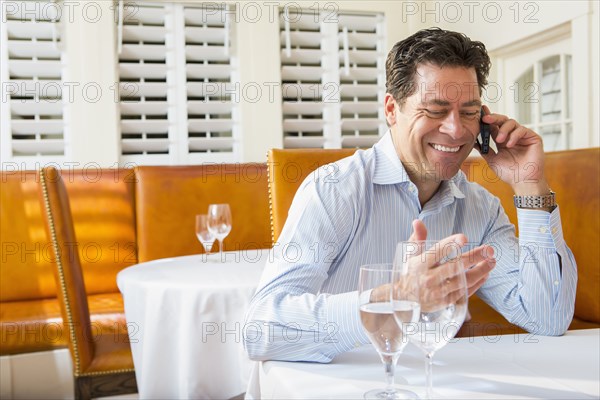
[434, 46]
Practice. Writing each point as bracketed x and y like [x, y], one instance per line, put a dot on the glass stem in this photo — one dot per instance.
[389, 362]
[429, 375]
[221, 249]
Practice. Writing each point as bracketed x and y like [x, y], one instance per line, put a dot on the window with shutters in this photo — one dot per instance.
[333, 79]
[544, 94]
[33, 130]
[176, 76]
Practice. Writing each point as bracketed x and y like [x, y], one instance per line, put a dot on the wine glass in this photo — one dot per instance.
[219, 223]
[203, 234]
[442, 295]
[377, 318]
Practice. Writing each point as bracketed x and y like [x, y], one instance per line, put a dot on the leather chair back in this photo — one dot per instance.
[101, 201]
[69, 275]
[102, 363]
[573, 174]
[575, 177]
[26, 249]
[287, 169]
[168, 198]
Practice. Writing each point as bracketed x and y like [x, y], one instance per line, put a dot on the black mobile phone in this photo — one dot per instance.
[484, 135]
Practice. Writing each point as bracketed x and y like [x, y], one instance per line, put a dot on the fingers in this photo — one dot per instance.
[419, 231]
[445, 284]
[478, 274]
[429, 257]
[444, 250]
[475, 286]
[508, 132]
[478, 254]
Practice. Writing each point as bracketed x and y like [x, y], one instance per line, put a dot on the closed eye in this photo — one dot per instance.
[470, 114]
[435, 113]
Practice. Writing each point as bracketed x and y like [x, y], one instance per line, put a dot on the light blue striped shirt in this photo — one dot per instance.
[355, 213]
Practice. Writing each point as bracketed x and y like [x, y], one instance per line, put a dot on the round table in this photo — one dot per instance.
[185, 318]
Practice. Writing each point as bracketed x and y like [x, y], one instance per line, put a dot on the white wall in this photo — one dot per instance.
[89, 40]
[499, 23]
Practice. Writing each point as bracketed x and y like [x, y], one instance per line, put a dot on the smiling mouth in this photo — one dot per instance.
[445, 149]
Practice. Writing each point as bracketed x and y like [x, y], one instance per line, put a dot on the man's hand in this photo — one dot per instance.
[520, 157]
[478, 262]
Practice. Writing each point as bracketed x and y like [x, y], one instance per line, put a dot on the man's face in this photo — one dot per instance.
[435, 129]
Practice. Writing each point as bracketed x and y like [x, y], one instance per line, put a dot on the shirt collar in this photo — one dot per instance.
[389, 170]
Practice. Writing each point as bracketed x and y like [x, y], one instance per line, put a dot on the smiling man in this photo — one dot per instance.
[409, 185]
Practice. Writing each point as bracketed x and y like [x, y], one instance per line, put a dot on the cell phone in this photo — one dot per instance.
[484, 135]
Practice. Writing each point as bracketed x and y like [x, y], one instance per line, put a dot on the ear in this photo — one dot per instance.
[389, 108]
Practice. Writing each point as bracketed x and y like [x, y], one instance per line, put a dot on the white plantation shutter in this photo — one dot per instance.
[209, 82]
[306, 56]
[362, 79]
[332, 70]
[33, 129]
[144, 85]
[176, 81]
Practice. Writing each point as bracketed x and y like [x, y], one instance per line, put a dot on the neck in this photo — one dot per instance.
[427, 187]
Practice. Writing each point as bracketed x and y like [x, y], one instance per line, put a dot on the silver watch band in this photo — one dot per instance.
[548, 200]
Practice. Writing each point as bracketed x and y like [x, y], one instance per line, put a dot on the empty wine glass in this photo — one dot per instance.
[219, 223]
[377, 318]
[442, 294]
[203, 234]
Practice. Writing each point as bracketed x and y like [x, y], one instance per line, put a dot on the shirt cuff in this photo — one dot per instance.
[540, 227]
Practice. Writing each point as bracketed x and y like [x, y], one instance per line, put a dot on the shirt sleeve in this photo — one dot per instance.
[289, 318]
[535, 279]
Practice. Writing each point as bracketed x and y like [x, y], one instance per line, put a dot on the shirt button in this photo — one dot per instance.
[543, 229]
[554, 230]
[556, 283]
[411, 189]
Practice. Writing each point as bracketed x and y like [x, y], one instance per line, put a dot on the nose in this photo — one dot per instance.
[452, 125]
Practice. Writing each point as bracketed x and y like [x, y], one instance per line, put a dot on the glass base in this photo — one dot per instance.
[206, 257]
[376, 394]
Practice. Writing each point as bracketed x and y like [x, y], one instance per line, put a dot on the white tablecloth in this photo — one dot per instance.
[499, 367]
[185, 318]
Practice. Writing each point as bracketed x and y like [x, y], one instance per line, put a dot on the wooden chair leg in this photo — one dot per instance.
[88, 387]
[83, 388]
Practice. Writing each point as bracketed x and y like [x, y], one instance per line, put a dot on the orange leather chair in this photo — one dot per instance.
[287, 169]
[575, 177]
[102, 207]
[168, 197]
[102, 364]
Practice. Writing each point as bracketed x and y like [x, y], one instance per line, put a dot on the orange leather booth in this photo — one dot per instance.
[127, 216]
[575, 177]
[121, 217]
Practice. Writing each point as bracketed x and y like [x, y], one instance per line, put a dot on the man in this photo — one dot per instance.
[306, 306]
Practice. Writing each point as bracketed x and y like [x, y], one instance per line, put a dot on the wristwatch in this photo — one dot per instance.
[548, 200]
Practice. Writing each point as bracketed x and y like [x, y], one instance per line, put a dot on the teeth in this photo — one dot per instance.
[445, 149]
